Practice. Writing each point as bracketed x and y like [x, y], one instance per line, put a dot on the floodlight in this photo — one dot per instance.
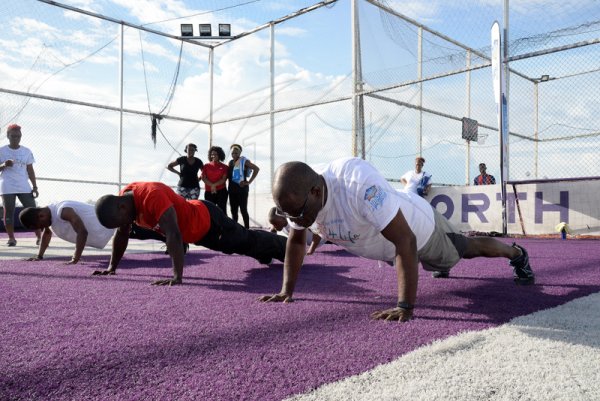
[224, 29]
[187, 30]
[545, 78]
[205, 30]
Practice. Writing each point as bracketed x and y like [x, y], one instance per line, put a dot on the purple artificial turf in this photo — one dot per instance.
[66, 335]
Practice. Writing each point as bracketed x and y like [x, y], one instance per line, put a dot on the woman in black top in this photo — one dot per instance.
[189, 166]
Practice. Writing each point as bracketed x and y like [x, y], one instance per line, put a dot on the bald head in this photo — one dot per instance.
[293, 179]
[299, 192]
[114, 211]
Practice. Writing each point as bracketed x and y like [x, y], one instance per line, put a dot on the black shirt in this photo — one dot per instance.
[189, 172]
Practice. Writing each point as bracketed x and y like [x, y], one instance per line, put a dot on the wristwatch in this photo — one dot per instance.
[405, 305]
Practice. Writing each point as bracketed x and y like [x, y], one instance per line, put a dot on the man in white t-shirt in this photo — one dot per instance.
[75, 222]
[417, 181]
[71, 221]
[352, 205]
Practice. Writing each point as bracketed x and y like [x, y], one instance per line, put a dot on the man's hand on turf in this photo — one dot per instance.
[285, 298]
[399, 314]
[107, 272]
[169, 282]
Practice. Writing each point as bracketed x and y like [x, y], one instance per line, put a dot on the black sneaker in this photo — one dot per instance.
[440, 274]
[522, 272]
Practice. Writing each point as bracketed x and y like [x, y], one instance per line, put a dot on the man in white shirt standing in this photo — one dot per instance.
[352, 205]
[417, 180]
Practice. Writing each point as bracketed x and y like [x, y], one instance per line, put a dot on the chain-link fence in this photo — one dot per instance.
[432, 81]
[86, 86]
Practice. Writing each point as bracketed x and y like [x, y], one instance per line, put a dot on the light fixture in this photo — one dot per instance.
[544, 78]
[224, 29]
[187, 30]
[205, 30]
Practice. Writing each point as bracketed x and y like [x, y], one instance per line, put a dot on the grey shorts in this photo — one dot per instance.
[9, 201]
[445, 247]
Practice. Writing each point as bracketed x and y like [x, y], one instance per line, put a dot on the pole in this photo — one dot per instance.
[272, 107]
[500, 98]
[420, 77]
[468, 114]
[536, 125]
[358, 121]
[505, 118]
[211, 65]
[121, 78]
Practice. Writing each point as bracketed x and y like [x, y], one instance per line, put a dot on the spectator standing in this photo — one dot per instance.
[214, 176]
[483, 178]
[16, 170]
[417, 180]
[239, 183]
[189, 166]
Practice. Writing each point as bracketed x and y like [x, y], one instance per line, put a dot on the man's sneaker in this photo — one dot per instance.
[440, 274]
[522, 272]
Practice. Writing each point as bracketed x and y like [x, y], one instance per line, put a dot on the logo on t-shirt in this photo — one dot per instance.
[375, 196]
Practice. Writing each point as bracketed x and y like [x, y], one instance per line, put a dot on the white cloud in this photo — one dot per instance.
[291, 31]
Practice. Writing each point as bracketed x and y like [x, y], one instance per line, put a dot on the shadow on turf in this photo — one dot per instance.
[315, 279]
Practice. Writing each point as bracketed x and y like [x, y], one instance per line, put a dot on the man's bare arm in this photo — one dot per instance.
[316, 240]
[46, 237]
[399, 233]
[168, 225]
[74, 219]
[294, 256]
[119, 245]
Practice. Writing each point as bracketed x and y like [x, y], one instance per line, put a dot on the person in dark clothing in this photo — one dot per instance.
[189, 166]
[239, 183]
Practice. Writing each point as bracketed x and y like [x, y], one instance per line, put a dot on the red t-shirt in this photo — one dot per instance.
[152, 199]
[214, 172]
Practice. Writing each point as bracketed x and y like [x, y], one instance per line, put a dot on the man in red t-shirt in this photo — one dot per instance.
[155, 206]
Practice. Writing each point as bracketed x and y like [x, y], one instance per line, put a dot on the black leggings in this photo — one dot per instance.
[227, 236]
[238, 198]
[219, 199]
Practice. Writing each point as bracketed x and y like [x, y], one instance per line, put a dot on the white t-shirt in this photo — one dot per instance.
[14, 179]
[309, 235]
[412, 180]
[360, 204]
[98, 235]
